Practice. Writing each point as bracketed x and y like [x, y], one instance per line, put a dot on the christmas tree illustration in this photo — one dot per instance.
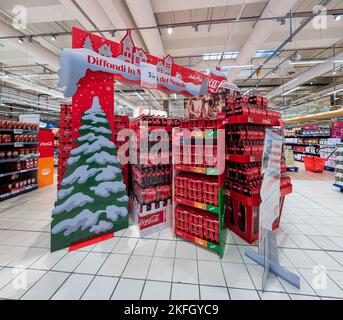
[93, 199]
[88, 44]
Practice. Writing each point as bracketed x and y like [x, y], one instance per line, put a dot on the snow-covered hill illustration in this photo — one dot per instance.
[93, 198]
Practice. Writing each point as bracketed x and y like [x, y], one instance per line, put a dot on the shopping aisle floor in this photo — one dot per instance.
[160, 267]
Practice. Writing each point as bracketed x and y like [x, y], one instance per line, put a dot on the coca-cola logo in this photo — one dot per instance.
[213, 84]
[150, 220]
[46, 144]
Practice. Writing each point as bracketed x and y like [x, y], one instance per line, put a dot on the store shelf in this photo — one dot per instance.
[6, 144]
[19, 131]
[8, 195]
[198, 205]
[256, 120]
[19, 144]
[22, 158]
[198, 241]
[319, 137]
[17, 172]
[305, 153]
[202, 170]
[240, 158]
[303, 144]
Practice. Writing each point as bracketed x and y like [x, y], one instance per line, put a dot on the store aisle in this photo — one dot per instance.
[160, 267]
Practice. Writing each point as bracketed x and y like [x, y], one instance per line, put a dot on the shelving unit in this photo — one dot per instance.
[339, 167]
[151, 183]
[18, 159]
[307, 141]
[244, 155]
[199, 218]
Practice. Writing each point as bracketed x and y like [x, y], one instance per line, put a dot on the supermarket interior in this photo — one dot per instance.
[171, 150]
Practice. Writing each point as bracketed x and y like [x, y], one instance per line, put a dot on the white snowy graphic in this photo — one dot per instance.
[93, 198]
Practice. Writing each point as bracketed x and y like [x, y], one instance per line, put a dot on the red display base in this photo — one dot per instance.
[90, 242]
[242, 158]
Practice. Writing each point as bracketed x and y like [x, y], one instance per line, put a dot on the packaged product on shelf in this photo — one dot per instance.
[151, 187]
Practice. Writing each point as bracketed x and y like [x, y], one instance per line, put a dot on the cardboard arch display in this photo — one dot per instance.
[89, 203]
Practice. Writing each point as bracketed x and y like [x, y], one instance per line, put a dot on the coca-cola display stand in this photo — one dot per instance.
[151, 219]
[151, 182]
[198, 189]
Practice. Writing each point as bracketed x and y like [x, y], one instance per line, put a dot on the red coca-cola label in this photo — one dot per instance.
[151, 220]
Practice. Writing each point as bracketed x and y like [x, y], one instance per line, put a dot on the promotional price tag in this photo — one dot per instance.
[148, 75]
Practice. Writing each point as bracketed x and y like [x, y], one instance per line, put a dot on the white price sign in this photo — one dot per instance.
[148, 75]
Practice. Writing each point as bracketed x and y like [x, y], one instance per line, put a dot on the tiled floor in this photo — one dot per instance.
[162, 267]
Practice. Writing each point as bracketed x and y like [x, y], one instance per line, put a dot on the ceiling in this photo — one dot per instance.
[248, 32]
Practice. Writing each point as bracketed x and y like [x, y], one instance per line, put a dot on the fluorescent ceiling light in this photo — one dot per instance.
[333, 92]
[306, 62]
[138, 95]
[287, 92]
[238, 66]
[170, 30]
[337, 61]
[289, 82]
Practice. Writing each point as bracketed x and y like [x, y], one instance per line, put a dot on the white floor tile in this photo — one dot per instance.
[184, 292]
[214, 293]
[20, 284]
[302, 297]
[165, 248]
[92, 263]
[137, 267]
[73, 288]
[324, 259]
[211, 273]
[101, 288]
[274, 296]
[114, 265]
[207, 254]
[325, 243]
[185, 250]
[161, 269]
[8, 274]
[48, 260]
[125, 245]
[106, 246]
[232, 254]
[70, 261]
[28, 257]
[240, 294]
[45, 288]
[154, 290]
[321, 283]
[185, 271]
[128, 289]
[144, 247]
[298, 258]
[237, 276]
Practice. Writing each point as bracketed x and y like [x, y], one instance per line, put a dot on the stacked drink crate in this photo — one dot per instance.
[246, 121]
[121, 124]
[64, 141]
[199, 214]
[151, 191]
